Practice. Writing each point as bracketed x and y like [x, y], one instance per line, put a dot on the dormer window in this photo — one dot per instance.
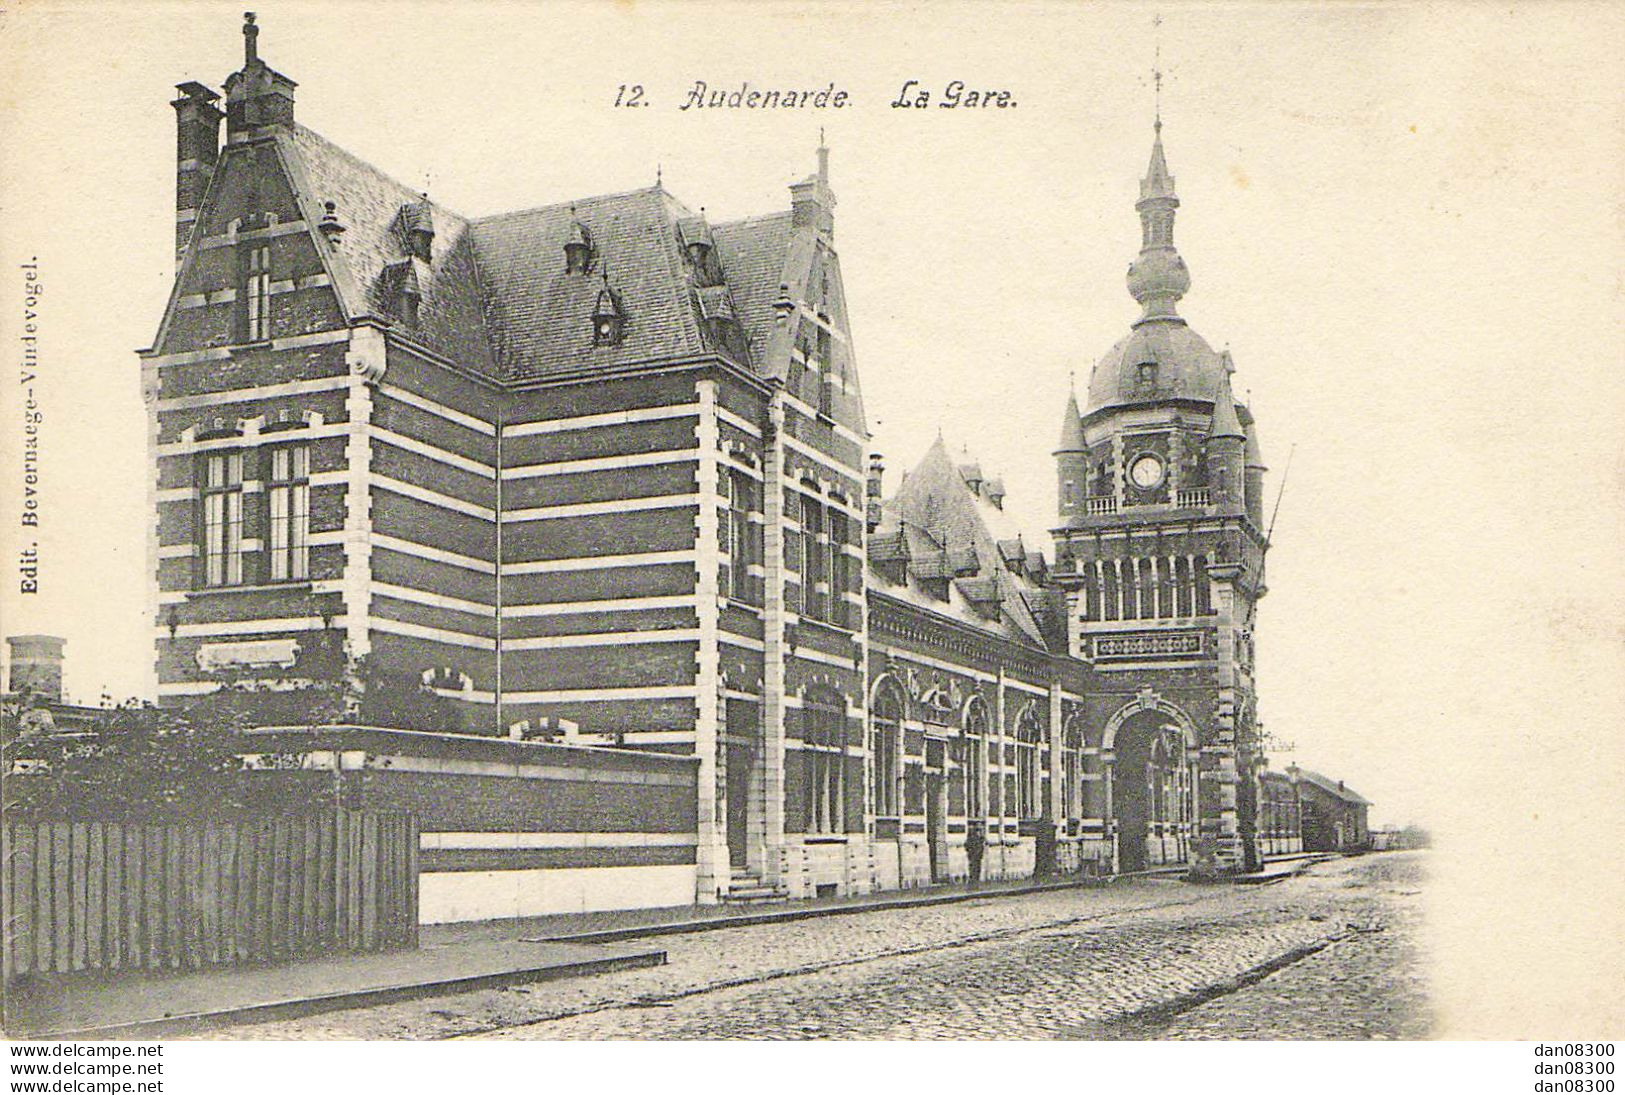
[608, 320]
[1148, 375]
[405, 293]
[700, 247]
[577, 248]
[417, 221]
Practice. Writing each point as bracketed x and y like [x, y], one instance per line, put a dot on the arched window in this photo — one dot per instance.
[1072, 769]
[885, 734]
[1029, 732]
[823, 737]
[975, 758]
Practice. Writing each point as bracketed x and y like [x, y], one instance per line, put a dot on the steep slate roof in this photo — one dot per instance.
[943, 521]
[754, 254]
[497, 297]
[451, 314]
[544, 313]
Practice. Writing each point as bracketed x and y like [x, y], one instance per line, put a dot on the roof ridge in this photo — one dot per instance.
[547, 207]
[756, 218]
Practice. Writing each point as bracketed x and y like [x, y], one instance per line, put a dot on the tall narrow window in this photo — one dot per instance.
[823, 722]
[814, 555]
[975, 761]
[839, 565]
[826, 375]
[886, 729]
[288, 497]
[1072, 772]
[739, 532]
[223, 518]
[1027, 774]
[257, 294]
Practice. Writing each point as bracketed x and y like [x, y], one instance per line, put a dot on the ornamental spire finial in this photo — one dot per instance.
[251, 34]
[1156, 70]
[1158, 277]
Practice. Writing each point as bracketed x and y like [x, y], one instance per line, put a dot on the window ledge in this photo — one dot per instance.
[298, 585]
[825, 838]
[258, 344]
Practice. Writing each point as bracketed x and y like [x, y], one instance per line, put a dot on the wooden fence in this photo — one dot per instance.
[186, 895]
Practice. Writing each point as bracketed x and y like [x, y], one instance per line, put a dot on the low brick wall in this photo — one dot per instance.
[512, 828]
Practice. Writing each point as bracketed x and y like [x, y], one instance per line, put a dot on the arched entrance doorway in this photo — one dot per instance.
[1152, 785]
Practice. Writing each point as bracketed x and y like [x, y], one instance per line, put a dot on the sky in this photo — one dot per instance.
[1404, 221]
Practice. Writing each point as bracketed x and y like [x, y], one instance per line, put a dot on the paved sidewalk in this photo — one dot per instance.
[183, 1003]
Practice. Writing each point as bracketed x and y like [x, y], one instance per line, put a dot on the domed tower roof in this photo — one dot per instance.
[1161, 358]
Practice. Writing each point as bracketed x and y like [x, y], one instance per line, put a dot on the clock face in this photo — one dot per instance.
[1145, 472]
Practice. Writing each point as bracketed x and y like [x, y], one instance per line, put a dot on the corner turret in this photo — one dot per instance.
[1225, 448]
[1071, 462]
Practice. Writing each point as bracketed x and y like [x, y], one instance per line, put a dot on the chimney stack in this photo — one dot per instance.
[36, 666]
[197, 147]
[812, 202]
[873, 490]
[258, 95]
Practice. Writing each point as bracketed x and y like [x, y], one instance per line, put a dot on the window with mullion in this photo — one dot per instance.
[814, 559]
[824, 739]
[256, 307]
[1027, 773]
[287, 493]
[222, 497]
[884, 746]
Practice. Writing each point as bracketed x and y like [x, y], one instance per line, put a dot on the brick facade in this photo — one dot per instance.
[601, 465]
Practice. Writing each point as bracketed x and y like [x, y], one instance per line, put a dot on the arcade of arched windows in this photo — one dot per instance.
[986, 774]
[1147, 587]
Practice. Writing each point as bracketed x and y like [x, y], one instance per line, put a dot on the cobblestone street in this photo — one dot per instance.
[1330, 954]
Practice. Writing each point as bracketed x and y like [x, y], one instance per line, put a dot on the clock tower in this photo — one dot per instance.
[1160, 550]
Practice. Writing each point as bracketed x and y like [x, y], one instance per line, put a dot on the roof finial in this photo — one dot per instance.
[1156, 69]
[251, 33]
[659, 173]
[823, 158]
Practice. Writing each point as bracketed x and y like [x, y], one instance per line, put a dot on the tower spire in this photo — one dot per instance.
[1158, 277]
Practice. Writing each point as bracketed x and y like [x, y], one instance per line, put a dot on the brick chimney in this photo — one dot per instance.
[812, 202]
[873, 486]
[36, 666]
[256, 96]
[197, 147]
